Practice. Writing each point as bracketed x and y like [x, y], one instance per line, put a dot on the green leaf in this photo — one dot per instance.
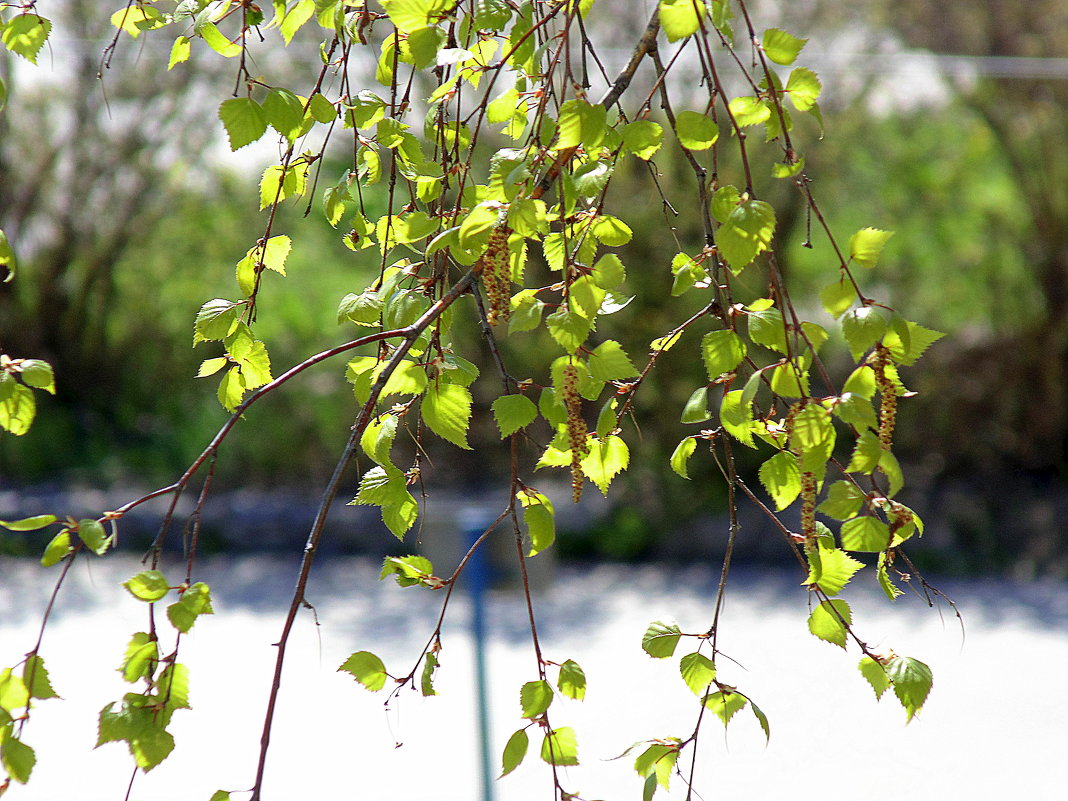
[837, 298]
[572, 680]
[803, 88]
[660, 639]
[906, 350]
[534, 698]
[513, 412]
[890, 589]
[151, 747]
[539, 518]
[680, 457]
[865, 535]
[695, 131]
[830, 568]
[696, 408]
[294, 19]
[568, 328]
[697, 671]
[426, 679]
[736, 416]
[866, 455]
[407, 570]
[514, 752]
[912, 681]
[180, 51]
[856, 411]
[863, 327]
[38, 374]
[18, 759]
[446, 410]
[17, 406]
[411, 15]
[29, 523]
[657, 762]
[875, 674]
[216, 320]
[749, 110]
[581, 123]
[747, 231]
[244, 121]
[36, 679]
[214, 39]
[195, 601]
[25, 35]
[142, 654]
[681, 18]
[722, 351]
[367, 669]
[867, 244]
[388, 488]
[57, 549]
[220, 795]
[762, 719]
[608, 457]
[781, 477]
[725, 704]
[843, 501]
[173, 685]
[560, 747]
[826, 621]
[13, 691]
[642, 138]
[766, 328]
[7, 253]
[782, 47]
[284, 112]
[148, 585]
[609, 362]
[94, 536]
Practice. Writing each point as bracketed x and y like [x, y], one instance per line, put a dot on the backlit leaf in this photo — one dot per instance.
[608, 457]
[572, 680]
[513, 412]
[697, 671]
[875, 674]
[695, 130]
[244, 121]
[367, 669]
[148, 585]
[680, 457]
[782, 47]
[514, 752]
[725, 704]
[722, 350]
[660, 639]
[912, 681]
[560, 747]
[681, 18]
[781, 478]
[29, 523]
[534, 698]
[828, 621]
[866, 245]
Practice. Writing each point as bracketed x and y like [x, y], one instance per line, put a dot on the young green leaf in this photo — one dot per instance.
[142, 654]
[244, 120]
[695, 130]
[660, 639]
[875, 674]
[36, 679]
[722, 350]
[447, 412]
[513, 412]
[560, 747]
[782, 47]
[14, 694]
[426, 679]
[828, 621]
[607, 458]
[865, 535]
[57, 549]
[18, 759]
[696, 408]
[746, 233]
[725, 704]
[680, 457]
[609, 362]
[195, 601]
[539, 518]
[657, 761]
[697, 671]
[830, 569]
[681, 18]
[781, 477]
[514, 752]
[912, 681]
[642, 138]
[94, 536]
[867, 244]
[572, 680]
[29, 523]
[534, 698]
[367, 669]
[148, 585]
[25, 35]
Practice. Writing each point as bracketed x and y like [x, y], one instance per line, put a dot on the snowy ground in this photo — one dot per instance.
[995, 727]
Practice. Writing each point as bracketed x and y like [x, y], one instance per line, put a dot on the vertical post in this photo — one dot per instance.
[476, 578]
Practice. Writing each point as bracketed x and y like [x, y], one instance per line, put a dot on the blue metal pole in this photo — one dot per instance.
[476, 578]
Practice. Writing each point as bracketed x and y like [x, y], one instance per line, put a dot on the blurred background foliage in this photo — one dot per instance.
[125, 229]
